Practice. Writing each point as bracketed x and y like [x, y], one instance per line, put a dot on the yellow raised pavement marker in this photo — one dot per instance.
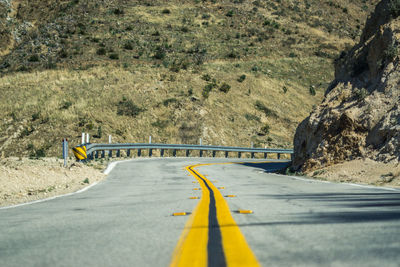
[221, 187]
[179, 213]
[194, 198]
[245, 211]
[230, 196]
[196, 188]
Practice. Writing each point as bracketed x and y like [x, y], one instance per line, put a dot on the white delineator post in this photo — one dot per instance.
[150, 139]
[109, 139]
[87, 138]
[83, 138]
[201, 142]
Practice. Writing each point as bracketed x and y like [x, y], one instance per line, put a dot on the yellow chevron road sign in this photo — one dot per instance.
[80, 152]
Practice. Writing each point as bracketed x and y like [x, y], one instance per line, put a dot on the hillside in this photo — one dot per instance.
[231, 72]
[359, 117]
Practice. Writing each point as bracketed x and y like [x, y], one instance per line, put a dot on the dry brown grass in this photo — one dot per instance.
[42, 106]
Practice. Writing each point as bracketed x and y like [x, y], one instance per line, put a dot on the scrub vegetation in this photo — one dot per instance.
[176, 70]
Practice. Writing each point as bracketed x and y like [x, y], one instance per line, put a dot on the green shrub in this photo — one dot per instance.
[391, 52]
[166, 11]
[35, 116]
[63, 54]
[160, 53]
[168, 101]
[128, 108]
[394, 6]
[118, 11]
[361, 94]
[101, 51]
[265, 129]
[30, 146]
[33, 58]
[160, 123]
[252, 117]
[207, 89]
[312, 90]
[66, 105]
[225, 88]
[38, 153]
[128, 46]
[229, 13]
[241, 78]
[206, 77]
[114, 56]
[99, 132]
[267, 111]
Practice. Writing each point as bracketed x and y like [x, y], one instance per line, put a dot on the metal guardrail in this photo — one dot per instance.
[99, 150]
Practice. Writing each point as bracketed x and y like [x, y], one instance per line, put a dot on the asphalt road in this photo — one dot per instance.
[127, 219]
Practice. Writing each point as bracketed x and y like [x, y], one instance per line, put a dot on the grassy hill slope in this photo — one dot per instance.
[231, 72]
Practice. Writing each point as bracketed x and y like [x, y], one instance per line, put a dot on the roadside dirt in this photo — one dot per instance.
[24, 180]
[362, 172]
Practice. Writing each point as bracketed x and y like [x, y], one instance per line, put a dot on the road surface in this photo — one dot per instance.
[127, 220]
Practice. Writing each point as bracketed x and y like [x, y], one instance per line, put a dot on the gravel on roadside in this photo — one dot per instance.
[23, 180]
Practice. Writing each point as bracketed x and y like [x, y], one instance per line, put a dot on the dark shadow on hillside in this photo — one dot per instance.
[269, 166]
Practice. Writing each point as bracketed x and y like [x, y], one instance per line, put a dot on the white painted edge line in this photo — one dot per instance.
[109, 168]
[350, 184]
[50, 198]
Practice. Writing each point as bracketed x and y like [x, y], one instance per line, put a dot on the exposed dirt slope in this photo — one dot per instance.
[359, 116]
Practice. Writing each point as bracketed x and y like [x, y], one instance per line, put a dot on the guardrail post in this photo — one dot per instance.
[162, 153]
[252, 155]
[239, 155]
[201, 153]
[118, 153]
[103, 154]
[139, 152]
[279, 155]
[96, 155]
[109, 153]
[174, 152]
[291, 156]
[226, 154]
[214, 153]
[265, 155]
[128, 153]
[150, 152]
[65, 151]
[187, 152]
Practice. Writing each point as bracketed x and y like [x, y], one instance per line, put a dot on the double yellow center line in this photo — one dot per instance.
[211, 236]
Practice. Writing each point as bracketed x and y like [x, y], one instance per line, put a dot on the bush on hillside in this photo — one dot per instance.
[128, 108]
[394, 6]
[225, 88]
[241, 78]
[267, 111]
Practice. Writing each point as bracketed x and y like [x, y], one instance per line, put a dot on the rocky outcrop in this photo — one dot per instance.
[360, 115]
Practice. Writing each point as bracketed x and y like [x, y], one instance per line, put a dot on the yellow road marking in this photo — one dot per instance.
[245, 211]
[179, 214]
[192, 249]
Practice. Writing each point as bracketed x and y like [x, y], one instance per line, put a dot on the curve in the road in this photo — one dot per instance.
[211, 236]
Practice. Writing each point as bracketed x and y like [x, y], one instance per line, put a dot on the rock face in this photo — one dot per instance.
[359, 116]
